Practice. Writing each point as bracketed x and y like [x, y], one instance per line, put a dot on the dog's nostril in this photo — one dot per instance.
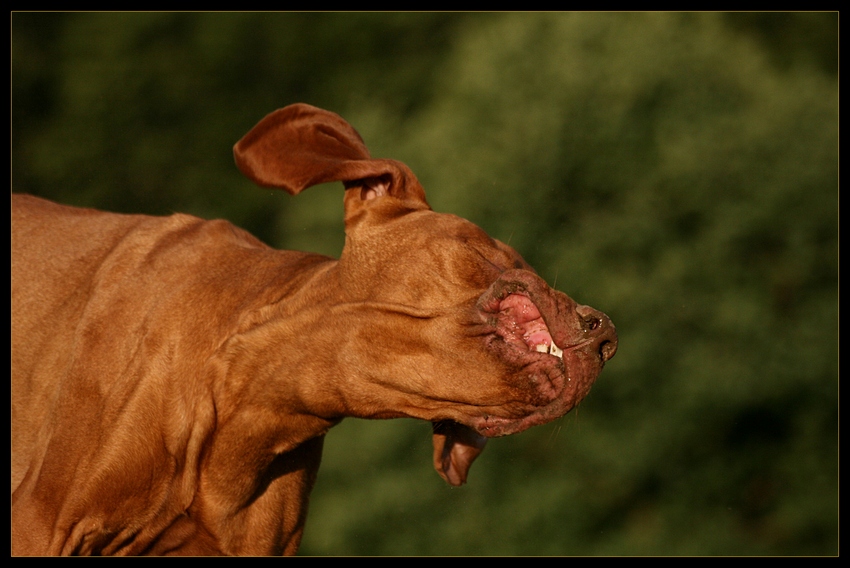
[607, 350]
[591, 322]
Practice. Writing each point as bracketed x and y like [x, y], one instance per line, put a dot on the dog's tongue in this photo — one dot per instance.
[455, 448]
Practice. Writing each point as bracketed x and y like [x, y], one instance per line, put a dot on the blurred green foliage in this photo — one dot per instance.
[678, 171]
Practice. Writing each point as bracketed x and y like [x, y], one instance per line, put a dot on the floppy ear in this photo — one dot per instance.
[455, 448]
[301, 145]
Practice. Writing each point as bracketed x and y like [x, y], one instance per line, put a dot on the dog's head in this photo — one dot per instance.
[463, 332]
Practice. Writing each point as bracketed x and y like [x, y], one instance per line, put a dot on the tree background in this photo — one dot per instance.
[678, 171]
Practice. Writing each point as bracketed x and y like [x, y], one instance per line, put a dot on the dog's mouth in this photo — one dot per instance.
[552, 347]
[520, 321]
[551, 350]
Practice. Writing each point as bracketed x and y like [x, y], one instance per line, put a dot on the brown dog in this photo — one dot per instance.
[173, 378]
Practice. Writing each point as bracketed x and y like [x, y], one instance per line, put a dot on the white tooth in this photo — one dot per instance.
[542, 348]
[553, 350]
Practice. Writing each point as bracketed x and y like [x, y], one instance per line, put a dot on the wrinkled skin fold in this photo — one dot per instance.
[173, 378]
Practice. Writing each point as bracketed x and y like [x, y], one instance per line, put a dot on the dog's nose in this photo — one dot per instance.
[598, 325]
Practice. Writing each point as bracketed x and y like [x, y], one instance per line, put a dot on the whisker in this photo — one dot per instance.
[553, 434]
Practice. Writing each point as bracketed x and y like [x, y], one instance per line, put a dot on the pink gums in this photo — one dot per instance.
[523, 321]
